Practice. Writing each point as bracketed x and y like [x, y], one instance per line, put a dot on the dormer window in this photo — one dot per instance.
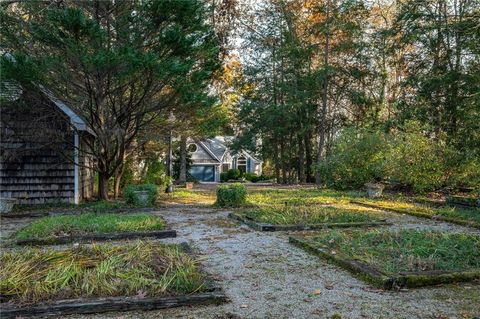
[192, 148]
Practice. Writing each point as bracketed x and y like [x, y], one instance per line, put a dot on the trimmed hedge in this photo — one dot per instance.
[131, 196]
[231, 195]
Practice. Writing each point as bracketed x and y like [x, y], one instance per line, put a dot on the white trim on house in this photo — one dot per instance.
[76, 171]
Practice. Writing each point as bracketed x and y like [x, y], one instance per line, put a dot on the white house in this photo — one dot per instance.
[210, 157]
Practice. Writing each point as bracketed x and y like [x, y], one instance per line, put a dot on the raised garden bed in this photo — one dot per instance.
[73, 211]
[298, 218]
[102, 278]
[465, 217]
[395, 260]
[464, 201]
[91, 227]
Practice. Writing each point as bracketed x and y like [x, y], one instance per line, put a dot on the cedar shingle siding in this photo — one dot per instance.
[36, 153]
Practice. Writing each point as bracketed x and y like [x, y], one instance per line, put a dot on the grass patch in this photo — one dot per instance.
[146, 269]
[89, 223]
[92, 206]
[404, 251]
[298, 196]
[189, 197]
[305, 215]
[267, 196]
[469, 216]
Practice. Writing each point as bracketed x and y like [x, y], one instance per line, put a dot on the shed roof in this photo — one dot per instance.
[11, 90]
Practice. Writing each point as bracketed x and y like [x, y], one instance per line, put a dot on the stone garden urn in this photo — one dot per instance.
[6, 204]
[374, 190]
[142, 197]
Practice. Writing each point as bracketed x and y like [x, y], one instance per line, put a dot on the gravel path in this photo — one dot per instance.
[266, 277]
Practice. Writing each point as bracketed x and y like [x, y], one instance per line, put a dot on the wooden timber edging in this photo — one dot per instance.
[384, 281]
[420, 214]
[464, 201]
[270, 227]
[96, 237]
[213, 294]
[64, 307]
[75, 211]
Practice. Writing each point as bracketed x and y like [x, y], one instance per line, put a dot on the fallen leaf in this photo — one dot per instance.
[317, 292]
[244, 306]
[141, 294]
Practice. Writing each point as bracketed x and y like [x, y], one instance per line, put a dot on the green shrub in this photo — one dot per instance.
[416, 160]
[231, 195]
[357, 157]
[252, 177]
[234, 174]
[131, 197]
[224, 177]
[156, 173]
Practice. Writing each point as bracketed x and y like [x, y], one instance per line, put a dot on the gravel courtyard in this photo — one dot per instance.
[266, 277]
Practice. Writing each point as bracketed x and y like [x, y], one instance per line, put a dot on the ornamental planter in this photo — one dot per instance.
[374, 190]
[142, 197]
[189, 185]
[6, 204]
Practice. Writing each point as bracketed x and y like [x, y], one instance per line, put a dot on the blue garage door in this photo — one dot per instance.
[203, 173]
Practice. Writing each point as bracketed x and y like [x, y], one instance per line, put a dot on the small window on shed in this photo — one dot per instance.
[192, 148]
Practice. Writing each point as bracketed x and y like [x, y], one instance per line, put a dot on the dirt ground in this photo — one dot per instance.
[266, 277]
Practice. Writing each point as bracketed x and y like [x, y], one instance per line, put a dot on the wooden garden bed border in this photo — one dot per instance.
[463, 201]
[168, 233]
[270, 227]
[384, 281]
[213, 295]
[420, 214]
[75, 211]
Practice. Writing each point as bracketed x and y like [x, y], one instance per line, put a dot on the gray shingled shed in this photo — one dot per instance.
[42, 143]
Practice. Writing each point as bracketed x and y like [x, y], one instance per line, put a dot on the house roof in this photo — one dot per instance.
[11, 90]
[218, 147]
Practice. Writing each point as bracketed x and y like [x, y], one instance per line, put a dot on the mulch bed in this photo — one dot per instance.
[420, 214]
[386, 281]
[270, 227]
[213, 295]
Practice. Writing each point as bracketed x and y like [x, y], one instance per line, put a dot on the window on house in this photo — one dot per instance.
[242, 164]
[192, 148]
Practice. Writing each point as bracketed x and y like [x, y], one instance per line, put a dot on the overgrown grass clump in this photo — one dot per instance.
[143, 269]
[293, 215]
[406, 250]
[299, 196]
[189, 197]
[88, 223]
[231, 195]
[470, 215]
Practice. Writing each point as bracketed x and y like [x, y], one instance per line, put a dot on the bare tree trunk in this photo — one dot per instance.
[103, 179]
[323, 115]
[183, 159]
[301, 160]
[284, 164]
[169, 188]
[117, 181]
[276, 161]
[308, 156]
